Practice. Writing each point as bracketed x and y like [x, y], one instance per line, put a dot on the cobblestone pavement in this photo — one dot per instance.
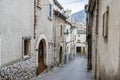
[74, 70]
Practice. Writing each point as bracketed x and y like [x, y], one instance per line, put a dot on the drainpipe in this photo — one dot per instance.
[97, 16]
[35, 18]
[97, 3]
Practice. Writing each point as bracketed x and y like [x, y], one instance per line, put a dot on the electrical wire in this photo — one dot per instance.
[72, 2]
[67, 3]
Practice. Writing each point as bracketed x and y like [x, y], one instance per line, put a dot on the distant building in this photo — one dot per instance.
[59, 26]
[81, 39]
[68, 42]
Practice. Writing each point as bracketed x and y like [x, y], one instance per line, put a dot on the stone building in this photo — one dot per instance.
[16, 40]
[68, 41]
[59, 20]
[103, 22]
[80, 38]
[43, 34]
[32, 38]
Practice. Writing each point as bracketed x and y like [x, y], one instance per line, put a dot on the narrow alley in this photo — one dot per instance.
[74, 70]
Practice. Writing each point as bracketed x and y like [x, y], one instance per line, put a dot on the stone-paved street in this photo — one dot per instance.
[74, 70]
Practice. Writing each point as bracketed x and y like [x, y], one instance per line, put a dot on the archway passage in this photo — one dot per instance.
[41, 57]
[60, 55]
[78, 50]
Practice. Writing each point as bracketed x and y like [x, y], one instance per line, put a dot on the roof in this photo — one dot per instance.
[60, 14]
[58, 4]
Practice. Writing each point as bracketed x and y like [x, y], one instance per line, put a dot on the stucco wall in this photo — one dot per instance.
[0, 50]
[16, 21]
[45, 27]
[59, 39]
[108, 50]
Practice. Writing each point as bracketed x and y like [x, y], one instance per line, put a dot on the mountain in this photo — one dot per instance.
[79, 17]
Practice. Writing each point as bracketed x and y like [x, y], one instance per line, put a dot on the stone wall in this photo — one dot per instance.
[22, 70]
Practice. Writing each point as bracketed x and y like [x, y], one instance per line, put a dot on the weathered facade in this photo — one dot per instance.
[43, 34]
[59, 39]
[32, 38]
[69, 54]
[103, 19]
[16, 38]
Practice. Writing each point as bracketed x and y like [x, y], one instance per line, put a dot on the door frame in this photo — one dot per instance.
[43, 54]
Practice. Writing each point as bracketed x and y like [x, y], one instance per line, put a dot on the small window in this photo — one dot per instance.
[105, 23]
[61, 31]
[78, 35]
[78, 41]
[26, 47]
[50, 11]
[67, 32]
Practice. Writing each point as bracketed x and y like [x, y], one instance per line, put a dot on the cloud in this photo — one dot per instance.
[74, 5]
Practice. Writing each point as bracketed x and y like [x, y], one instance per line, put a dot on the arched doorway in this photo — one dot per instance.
[60, 55]
[41, 56]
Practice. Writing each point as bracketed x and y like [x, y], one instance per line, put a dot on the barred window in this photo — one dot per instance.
[26, 47]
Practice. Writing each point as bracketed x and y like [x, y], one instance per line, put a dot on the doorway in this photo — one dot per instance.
[78, 49]
[60, 55]
[41, 57]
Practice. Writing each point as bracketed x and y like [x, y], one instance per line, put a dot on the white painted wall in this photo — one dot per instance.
[82, 37]
[16, 21]
[68, 39]
[45, 26]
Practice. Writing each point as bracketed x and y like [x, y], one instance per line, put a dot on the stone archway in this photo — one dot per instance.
[41, 56]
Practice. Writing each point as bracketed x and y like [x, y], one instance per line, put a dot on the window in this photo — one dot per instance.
[78, 35]
[26, 47]
[78, 41]
[0, 50]
[50, 11]
[105, 23]
[67, 32]
[61, 31]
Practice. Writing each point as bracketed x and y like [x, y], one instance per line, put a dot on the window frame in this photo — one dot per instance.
[23, 49]
[50, 12]
[105, 23]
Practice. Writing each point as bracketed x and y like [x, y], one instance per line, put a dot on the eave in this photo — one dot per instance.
[58, 4]
[59, 14]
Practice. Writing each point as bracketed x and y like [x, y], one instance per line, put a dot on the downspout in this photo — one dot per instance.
[97, 3]
[35, 18]
[96, 54]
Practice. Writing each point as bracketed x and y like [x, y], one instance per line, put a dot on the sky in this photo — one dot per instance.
[74, 5]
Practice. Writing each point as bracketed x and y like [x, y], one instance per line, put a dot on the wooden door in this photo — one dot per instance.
[41, 64]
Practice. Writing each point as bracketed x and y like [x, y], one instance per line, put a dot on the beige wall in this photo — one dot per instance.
[16, 21]
[59, 39]
[108, 50]
[0, 50]
[45, 27]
